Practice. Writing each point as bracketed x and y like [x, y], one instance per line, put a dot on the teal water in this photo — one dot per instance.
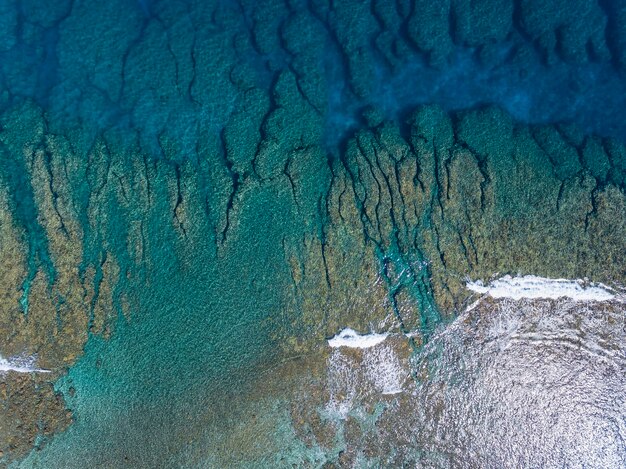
[248, 178]
[200, 326]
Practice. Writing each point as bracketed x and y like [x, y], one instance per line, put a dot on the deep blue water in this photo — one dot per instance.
[219, 86]
[111, 67]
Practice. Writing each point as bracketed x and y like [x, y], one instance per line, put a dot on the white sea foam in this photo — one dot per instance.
[351, 338]
[19, 366]
[534, 287]
[353, 380]
[384, 370]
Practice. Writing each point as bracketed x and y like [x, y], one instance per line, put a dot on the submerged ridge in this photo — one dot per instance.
[196, 195]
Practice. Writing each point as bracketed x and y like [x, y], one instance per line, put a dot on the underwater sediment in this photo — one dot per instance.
[196, 196]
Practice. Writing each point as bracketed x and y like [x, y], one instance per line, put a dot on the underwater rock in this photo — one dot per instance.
[573, 30]
[196, 196]
[385, 235]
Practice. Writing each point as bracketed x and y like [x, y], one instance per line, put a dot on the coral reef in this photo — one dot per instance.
[195, 196]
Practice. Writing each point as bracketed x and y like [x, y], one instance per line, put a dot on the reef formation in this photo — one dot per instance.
[196, 196]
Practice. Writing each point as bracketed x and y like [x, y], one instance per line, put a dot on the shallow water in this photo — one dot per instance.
[197, 198]
[530, 383]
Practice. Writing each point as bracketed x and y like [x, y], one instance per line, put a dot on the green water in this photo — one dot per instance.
[200, 324]
[221, 186]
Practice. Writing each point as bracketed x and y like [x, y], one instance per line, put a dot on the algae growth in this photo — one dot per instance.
[196, 195]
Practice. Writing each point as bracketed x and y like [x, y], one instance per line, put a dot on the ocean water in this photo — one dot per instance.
[197, 196]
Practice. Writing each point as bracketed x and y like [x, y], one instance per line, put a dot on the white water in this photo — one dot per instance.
[533, 287]
[19, 366]
[350, 338]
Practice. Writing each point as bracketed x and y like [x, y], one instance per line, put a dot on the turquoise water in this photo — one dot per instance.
[200, 326]
[248, 178]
